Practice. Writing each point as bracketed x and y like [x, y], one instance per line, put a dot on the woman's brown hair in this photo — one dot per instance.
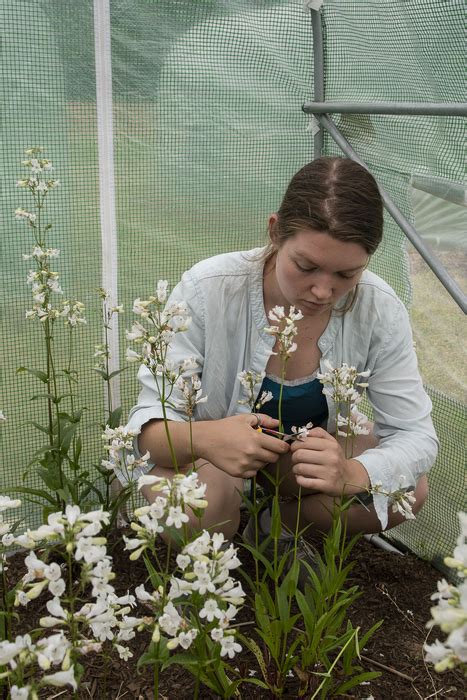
[334, 195]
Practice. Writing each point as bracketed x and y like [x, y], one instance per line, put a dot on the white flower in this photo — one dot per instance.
[183, 561]
[123, 652]
[176, 517]
[340, 382]
[170, 621]
[264, 398]
[143, 595]
[403, 502]
[61, 678]
[229, 646]
[302, 433]
[9, 650]
[6, 502]
[210, 610]
[184, 639]
[2, 417]
[217, 634]
[450, 614]
[355, 424]
[285, 331]
[57, 588]
[276, 314]
[161, 291]
[20, 693]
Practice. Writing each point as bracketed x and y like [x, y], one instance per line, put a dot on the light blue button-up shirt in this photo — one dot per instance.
[224, 295]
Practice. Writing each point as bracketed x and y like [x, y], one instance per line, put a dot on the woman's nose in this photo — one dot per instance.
[322, 288]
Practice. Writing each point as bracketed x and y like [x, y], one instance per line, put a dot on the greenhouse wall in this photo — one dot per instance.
[206, 111]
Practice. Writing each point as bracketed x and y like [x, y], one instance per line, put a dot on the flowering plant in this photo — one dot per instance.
[55, 460]
[450, 611]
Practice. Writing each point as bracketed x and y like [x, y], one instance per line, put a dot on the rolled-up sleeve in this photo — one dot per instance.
[402, 413]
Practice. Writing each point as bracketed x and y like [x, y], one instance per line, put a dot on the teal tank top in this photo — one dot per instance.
[302, 401]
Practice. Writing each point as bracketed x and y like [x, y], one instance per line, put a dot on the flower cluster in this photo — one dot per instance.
[101, 357]
[206, 564]
[44, 281]
[250, 380]
[340, 384]
[102, 353]
[163, 321]
[75, 537]
[401, 500]
[119, 446]
[302, 431]
[167, 510]
[285, 330]
[450, 611]
[191, 392]
[7, 537]
[205, 585]
[46, 653]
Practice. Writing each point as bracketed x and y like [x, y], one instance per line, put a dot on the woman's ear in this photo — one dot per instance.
[272, 227]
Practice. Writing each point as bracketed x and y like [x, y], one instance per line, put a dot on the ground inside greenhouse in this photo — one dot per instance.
[395, 589]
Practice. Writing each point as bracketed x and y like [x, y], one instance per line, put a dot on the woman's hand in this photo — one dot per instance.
[319, 464]
[234, 445]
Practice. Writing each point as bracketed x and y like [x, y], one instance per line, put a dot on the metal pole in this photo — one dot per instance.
[318, 75]
[105, 134]
[432, 261]
[443, 109]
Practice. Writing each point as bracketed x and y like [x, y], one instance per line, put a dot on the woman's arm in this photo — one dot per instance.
[231, 444]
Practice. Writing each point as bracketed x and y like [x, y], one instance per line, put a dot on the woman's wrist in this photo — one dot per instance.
[356, 478]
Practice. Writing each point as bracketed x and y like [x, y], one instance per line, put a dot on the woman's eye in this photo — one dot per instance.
[347, 276]
[305, 269]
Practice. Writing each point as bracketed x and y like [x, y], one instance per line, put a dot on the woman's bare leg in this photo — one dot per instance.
[316, 512]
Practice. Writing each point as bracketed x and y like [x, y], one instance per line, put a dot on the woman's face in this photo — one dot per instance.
[313, 271]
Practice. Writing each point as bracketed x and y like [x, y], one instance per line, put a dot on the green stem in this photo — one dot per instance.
[107, 363]
[328, 674]
[256, 533]
[173, 456]
[156, 675]
[5, 626]
[193, 458]
[278, 464]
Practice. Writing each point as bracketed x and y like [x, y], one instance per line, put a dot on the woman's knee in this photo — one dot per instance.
[421, 493]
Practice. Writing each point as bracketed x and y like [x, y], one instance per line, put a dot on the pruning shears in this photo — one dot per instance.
[285, 437]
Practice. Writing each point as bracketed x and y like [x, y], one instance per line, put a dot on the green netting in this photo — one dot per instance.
[412, 51]
[208, 129]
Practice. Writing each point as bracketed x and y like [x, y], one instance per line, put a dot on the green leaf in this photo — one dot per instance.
[44, 429]
[184, 659]
[114, 418]
[368, 634]
[356, 680]
[102, 373]
[253, 647]
[36, 372]
[50, 478]
[117, 371]
[276, 521]
[32, 492]
[150, 657]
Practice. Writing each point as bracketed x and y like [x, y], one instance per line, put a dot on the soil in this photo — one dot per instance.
[395, 588]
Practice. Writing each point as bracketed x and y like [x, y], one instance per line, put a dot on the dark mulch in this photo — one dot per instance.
[395, 589]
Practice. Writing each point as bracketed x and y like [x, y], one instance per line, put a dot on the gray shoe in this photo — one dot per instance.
[305, 552]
